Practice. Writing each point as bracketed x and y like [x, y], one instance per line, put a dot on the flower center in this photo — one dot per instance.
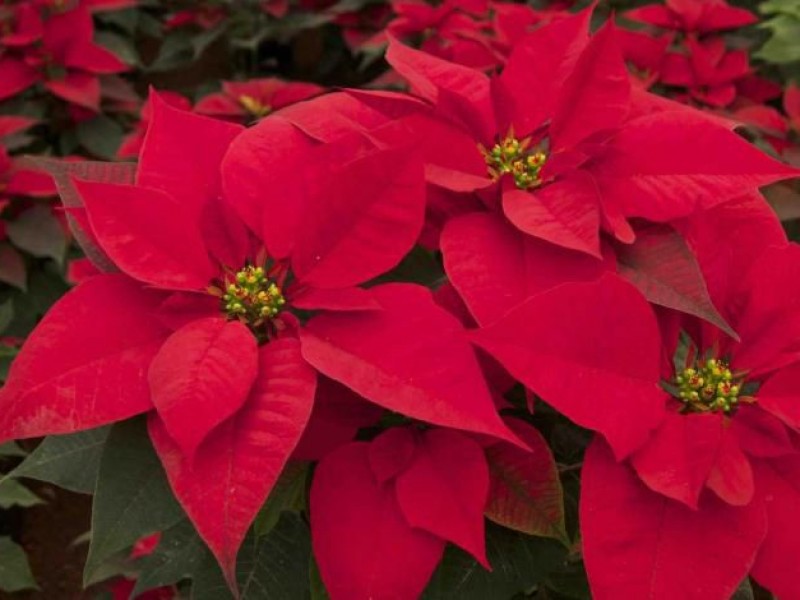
[710, 386]
[252, 297]
[514, 157]
[254, 106]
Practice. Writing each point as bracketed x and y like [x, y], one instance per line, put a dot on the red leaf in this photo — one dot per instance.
[147, 234]
[679, 457]
[778, 482]
[201, 376]
[779, 396]
[182, 153]
[225, 485]
[668, 164]
[525, 492]
[362, 221]
[84, 365]
[460, 92]
[596, 95]
[540, 61]
[392, 452]
[566, 212]
[640, 544]
[272, 155]
[662, 266]
[12, 267]
[494, 267]
[412, 357]
[337, 416]
[585, 346]
[444, 490]
[731, 477]
[362, 543]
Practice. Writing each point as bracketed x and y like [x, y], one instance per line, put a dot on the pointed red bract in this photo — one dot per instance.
[86, 363]
[201, 376]
[779, 482]
[445, 488]
[182, 153]
[640, 544]
[363, 545]
[566, 213]
[225, 484]
[680, 168]
[592, 351]
[494, 267]
[147, 234]
[362, 221]
[432, 375]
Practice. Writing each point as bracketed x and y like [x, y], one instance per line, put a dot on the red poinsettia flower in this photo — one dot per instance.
[199, 328]
[246, 101]
[709, 71]
[709, 451]
[132, 143]
[698, 16]
[204, 17]
[20, 24]
[18, 178]
[588, 155]
[67, 62]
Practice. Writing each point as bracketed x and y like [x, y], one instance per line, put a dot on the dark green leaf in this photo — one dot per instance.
[273, 567]
[744, 592]
[69, 461]
[132, 498]
[38, 232]
[519, 563]
[101, 136]
[179, 555]
[15, 574]
[13, 493]
[11, 449]
[287, 494]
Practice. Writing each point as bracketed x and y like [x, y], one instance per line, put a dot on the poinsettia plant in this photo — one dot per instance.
[508, 314]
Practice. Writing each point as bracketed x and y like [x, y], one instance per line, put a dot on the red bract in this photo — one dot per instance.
[712, 446]
[132, 143]
[381, 512]
[587, 155]
[198, 329]
[246, 101]
[67, 62]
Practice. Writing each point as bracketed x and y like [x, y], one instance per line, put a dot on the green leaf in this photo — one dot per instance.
[12, 267]
[101, 136]
[132, 499]
[15, 573]
[11, 449]
[786, 7]
[121, 46]
[38, 232]
[273, 567]
[287, 494]
[13, 493]
[519, 563]
[744, 591]
[782, 47]
[6, 314]
[179, 554]
[68, 461]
